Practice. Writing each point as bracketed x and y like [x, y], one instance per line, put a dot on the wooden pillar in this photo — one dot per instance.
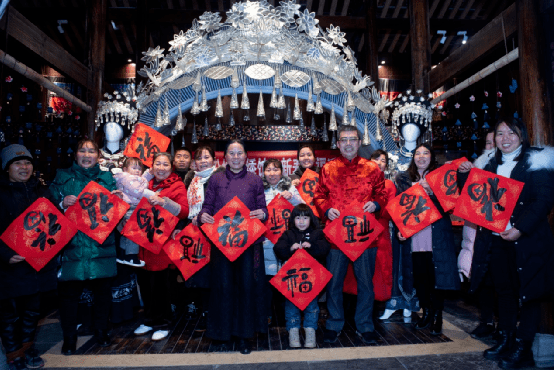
[96, 28]
[421, 47]
[372, 54]
[537, 112]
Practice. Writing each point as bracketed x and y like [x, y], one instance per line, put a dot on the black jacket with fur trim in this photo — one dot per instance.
[535, 247]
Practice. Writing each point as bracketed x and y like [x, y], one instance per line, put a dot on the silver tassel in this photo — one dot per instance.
[378, 134]
[365, 140]
[197, 85]
[234, 100]
[281, 103]
[183, 140]
[334, 140]
[231, 120]
[333, 119]
[316, 85]
[179, 125]
[159, 120]
[325, 135]
[289, 118]
[235, 82]
[245, 104]
[206, 131]
[345, 120]
[246, 115]
[301, 125]
[218, 125]
[273, 103]
[353, 120]
[219, 106]
[318, 107]
[261, 111]
[195, 106]
[310, 104]
[194, 138]
[278, 84]
[167, 122]
[350, 102]
[204, 106]
[296, 115]
[313, 129]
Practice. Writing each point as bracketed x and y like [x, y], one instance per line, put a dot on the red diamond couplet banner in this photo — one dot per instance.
[488, 199]
[150, 226]
[97, 211]
[277, 223]
[412, 211]
[39, 233]
[233, 230]
[306, 188]
[353, 231]
[301, 279]
[144, 143]
[190, 251]
[444, 183]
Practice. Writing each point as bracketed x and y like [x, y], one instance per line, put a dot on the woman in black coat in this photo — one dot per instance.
[20, 284]
[433, 250]
[521, 258]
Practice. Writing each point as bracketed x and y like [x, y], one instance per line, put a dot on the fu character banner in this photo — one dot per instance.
[144, 143]
[301, 279]
[306, 188]
[150, 226]
[97, 211]
[277, 223]
[233, 231]
[444, 183]
[190, 251]
[412, 211]
[39, 233]
[353, 231]
[488, 199]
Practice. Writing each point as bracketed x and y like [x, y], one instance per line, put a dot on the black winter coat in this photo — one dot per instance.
[20, 279]
[444, 248]
[535, 247]
[319, 248]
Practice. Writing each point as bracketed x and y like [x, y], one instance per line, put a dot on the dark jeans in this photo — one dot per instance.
[70, 293]
[506, 283]
[424, 281]
[155, 292]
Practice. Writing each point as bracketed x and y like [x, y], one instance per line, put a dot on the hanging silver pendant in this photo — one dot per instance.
[245, 104]
[219, 106]
[297, 114]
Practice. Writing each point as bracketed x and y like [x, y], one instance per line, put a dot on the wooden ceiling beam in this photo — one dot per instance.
[397, 8]
[404, 44]
[467, 9]
[32, 37]
[394, 42]
[455, 9]
[477, 46]
[386, 8]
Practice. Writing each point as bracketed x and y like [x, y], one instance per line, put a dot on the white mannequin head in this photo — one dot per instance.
[113, 133]
[410, 133]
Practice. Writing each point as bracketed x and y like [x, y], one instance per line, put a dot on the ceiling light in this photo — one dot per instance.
[60, 22]
[464, 34]
[382, 62]
[443, 33]
[114, 26]
[129, 60]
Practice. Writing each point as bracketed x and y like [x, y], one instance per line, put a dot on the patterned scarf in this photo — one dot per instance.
[195, 192]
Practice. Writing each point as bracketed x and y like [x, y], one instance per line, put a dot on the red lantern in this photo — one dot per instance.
[97, 211]
[413, 210]
[306, 188]
[150, 226]
[488, 199]
[353, 231]
[444, 183]
[190, 251]
[144, 143]
[277, 223]
[233, 231]
[39, 233]
[301, 279]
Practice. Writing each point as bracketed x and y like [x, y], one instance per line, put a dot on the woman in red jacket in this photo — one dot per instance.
[171, 194]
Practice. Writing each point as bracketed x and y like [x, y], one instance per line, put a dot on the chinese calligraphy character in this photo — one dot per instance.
[487, 195]
[87, 201]
[350, 223]
[450, 181]
[407, 200]
[147, 147]
[230, 231]
[365, 229]
[308, 186]
[150, 224]
[187, 242]
[304, 287]
[33, 219]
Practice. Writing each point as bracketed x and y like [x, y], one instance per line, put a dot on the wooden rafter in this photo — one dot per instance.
[333, 10]
[114, 40]
[446, 44]
[345, 6]
[467, 9]
[397, 8]
[404, 44]
[126, 40]
[385, 9]
[394, 42]
[455, 9]
[321, 7]
[433, 8]
[443, 10]
[436, 44]
[309, 5]
[384, 41]
[477, 10]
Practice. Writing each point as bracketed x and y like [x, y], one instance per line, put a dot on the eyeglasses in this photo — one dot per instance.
[348, 139]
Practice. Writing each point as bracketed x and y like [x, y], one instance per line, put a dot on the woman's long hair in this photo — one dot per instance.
[412, 169]
[517, 126]
[303, 210]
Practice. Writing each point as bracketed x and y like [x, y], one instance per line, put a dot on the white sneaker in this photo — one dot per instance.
[310, 338]
[142, 329]
[387, 314]
[407, 313]
[160, 334]
[294, 338]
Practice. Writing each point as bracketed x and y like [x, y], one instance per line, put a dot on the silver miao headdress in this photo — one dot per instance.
[415, 109]
[119, 107]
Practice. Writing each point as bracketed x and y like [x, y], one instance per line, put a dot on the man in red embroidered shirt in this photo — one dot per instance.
[343, 182]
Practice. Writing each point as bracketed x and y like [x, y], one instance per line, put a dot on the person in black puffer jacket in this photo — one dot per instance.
[20, 284]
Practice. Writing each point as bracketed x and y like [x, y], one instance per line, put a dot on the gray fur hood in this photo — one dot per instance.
[283, 185]
[538, 158]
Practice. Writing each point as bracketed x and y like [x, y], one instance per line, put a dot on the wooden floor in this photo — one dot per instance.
[184, 339]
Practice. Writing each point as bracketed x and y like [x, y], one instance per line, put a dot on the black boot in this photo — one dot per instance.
[436, 326]
[520, 356]
[425, 320]
[69, 345]
[29, 325]
[502, 347]
[102, 338]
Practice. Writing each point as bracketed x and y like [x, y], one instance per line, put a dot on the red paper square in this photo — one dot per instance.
[144, 143]
[39, 233]
[190, 251]
[149, 226]
[277, 223]
[301, 279]
[306, 188]
[488, 199]
[233, 230]
[97, 211]
[353, 231]
[444, 183]
[413, 210]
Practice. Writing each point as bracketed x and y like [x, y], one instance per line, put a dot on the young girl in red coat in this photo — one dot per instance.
[303, 233]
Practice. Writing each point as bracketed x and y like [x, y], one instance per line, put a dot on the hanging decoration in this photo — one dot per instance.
[310, 103]
[365, 140]
[261, 111]
[324, 135]
[166, 120]
[194, 137]
[313, 129]
[297, 114]
[206, 130]
[245, 104]
[332, 120]
[219, 106]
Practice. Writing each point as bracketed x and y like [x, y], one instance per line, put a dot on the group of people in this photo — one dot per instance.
[235, 297]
